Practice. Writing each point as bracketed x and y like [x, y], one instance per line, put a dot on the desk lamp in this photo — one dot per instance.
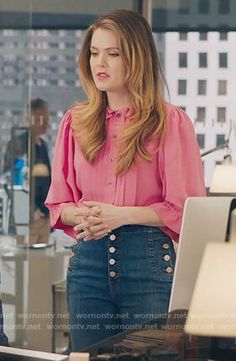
[224, 175]
[224, 178]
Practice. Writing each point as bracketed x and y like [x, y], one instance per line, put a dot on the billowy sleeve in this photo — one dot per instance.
[181, 171]
[63, 190]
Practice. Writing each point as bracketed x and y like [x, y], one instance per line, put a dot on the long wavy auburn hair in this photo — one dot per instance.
[144, 81]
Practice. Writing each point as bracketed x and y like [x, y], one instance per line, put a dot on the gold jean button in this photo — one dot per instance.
[166, 246]
[166, 257]
[112, 274]
[112, 237]
[112, 249]
[112, 261]
[169, 270]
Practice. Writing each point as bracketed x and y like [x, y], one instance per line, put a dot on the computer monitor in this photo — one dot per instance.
[205, 219]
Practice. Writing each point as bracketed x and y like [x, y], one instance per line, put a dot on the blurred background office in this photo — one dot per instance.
[39, 45]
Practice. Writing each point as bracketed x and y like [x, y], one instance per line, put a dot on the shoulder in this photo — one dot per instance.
[177, 117]
[71, 112]
[67, 118]
[70, 115]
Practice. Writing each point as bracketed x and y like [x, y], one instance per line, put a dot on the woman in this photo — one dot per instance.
[125, 162]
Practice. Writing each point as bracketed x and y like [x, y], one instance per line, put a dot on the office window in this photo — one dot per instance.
[53, 81]
[69, 45]
[183, 36]
[220, 139]
[202, 36]
[221, 114]
[223, 6]
[203, 6]
[201, 87]
[183, 60]
[182, 87]
[53, 45]
[223, 61]
[222, 87]
[183, 7]
[223, 36]
[201, 114]
[202, 59]
[201, 140]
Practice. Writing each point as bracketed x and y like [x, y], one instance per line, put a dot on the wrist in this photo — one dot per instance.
[126, 216]
[69, 215]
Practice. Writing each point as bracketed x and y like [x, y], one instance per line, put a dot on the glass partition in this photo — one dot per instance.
[38, 53]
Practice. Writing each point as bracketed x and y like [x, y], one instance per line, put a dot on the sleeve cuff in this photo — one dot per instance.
[171, 216]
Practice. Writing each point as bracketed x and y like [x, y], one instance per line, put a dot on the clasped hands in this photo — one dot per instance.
[97, 219]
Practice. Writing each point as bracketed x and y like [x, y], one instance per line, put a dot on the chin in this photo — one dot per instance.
[102, 88]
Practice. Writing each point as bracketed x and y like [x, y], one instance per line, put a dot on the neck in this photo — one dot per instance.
[117, 100]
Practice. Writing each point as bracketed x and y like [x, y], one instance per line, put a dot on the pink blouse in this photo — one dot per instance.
[174, 174]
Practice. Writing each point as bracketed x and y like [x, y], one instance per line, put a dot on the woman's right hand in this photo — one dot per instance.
[73, 215]
[82, 218]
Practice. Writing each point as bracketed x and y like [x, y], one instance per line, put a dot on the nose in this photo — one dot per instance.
[101, 59]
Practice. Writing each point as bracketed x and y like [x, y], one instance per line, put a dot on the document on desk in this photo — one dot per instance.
[8, 353]
[79, 356]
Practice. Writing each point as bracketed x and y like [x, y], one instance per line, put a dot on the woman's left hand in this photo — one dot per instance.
[110, 216]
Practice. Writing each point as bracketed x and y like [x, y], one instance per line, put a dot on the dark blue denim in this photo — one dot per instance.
[118, 282]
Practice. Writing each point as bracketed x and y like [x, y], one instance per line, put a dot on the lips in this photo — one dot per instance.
[102, 75]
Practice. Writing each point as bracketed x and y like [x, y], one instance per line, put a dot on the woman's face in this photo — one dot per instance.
[107, 66]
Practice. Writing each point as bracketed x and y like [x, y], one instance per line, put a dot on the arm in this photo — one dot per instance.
[64, 197]
[181, 171]
[111, 217]
[63, 191]
[140, 215]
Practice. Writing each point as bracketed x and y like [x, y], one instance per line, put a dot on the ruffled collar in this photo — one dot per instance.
[125, 112]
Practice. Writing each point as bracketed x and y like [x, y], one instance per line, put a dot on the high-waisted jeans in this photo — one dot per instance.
[118, 282]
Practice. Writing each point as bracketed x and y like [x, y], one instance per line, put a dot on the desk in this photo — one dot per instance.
[26, 292]
[155, 336]
[60, 333]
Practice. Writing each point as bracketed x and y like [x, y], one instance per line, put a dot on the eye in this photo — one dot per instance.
[93, 53]
[114, 54]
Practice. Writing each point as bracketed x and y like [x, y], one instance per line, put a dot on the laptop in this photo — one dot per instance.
[205, 219]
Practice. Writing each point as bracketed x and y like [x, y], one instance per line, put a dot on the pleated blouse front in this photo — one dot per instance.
[174, 173]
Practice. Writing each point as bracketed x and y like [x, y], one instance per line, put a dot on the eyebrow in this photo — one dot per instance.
[110, 48]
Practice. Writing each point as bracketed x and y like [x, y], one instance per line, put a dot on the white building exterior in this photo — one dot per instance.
[208, 86]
